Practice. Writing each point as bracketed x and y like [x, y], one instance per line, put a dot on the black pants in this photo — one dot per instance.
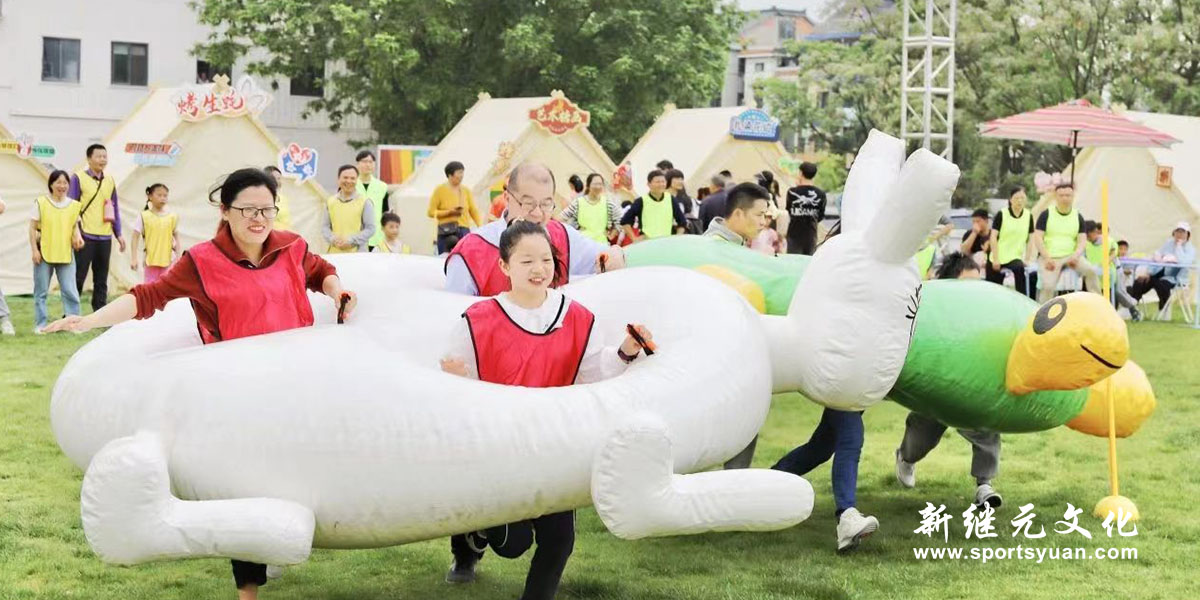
[1161, 286]
[447, 242]
[95, 254]
[804, 240]
[1018, 270]
[555, 538]
[245, 573]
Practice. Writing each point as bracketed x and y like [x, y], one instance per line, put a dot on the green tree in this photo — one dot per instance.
[1011, 57]
[414, 66]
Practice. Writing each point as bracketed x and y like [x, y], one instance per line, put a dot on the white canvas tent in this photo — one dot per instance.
[697, 141]
[477, 141]
[1141, 211]
[211, 149]
[22, 180]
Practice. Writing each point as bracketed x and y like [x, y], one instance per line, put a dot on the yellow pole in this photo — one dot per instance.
[1115, 500]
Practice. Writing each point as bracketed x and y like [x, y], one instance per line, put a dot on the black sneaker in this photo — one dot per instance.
[461, 573]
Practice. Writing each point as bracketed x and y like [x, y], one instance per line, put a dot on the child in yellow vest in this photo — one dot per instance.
[161, 232]
[53, 237]
[391, 243]
[283, 219]
[347, 223]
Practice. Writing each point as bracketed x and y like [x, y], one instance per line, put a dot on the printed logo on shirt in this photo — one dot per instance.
[807, 204]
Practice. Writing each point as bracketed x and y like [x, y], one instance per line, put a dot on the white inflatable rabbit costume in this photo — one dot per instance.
[349, 436]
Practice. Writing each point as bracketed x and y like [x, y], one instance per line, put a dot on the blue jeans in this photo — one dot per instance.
[41, 287]
[840, 435]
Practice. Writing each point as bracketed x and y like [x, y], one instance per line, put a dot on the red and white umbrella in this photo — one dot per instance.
[1078, 124]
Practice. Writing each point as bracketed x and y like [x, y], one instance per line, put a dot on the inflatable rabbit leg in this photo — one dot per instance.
[851, 319]
[130, 516]
[637, 494]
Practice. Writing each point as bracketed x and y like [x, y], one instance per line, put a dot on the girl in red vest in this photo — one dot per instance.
[531, 336]
[248, 280]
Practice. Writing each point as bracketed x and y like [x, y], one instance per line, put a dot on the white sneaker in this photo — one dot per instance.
[986, 495]
[853, 527]
[6, 327]
[906, 472]
[274, 571]
[38, 331]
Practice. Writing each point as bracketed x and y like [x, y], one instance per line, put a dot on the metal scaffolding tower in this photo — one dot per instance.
[927, 86]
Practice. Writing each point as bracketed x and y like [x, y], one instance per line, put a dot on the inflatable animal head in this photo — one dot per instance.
[851, 319]
[1071, 342]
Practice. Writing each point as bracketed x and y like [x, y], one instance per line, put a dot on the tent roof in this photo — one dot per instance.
[155, 120]
[476, 137]
[686, 135]
[1183, 157]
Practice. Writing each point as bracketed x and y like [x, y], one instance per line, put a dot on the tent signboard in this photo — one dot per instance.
[154, 155]
[495, 135]
[755, 125]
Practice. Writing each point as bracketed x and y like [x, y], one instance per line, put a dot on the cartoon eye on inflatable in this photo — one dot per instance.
[1049, 315]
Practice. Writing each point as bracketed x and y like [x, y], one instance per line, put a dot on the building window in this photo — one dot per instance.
[205, 71]
[741, 98]
[128, 63]
[787, 29]
[60, 60]
[741, 66]
[758, 67]
[308, 83]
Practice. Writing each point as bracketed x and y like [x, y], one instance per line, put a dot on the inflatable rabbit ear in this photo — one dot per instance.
[907, 195]
[871, 180]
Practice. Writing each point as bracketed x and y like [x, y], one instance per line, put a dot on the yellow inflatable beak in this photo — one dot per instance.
[1134, 397]
[1070, 343]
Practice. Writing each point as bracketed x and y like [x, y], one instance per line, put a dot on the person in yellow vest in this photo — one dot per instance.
[656, 214]
[53, 235]
[100, 219]
[346, 222]
[454, 208]
[929, 256]
[1094, 253]
[1059, 237]
[373, 189]
[391, 244]
[283, 220]
[593, 214]
[161, 232]
[1011, 233]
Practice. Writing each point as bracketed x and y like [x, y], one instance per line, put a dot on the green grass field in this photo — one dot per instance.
[43, 553]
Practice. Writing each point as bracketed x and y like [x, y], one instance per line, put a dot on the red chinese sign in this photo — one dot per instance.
[559, 115]
[140, 148]
[199, 102]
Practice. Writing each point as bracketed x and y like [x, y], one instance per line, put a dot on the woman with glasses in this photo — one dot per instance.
[473, 267]
[248, 280]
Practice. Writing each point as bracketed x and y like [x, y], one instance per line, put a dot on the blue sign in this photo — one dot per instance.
[298, 162]
[754, 124]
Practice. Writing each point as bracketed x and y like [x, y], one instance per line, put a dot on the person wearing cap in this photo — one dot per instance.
[1161, 279]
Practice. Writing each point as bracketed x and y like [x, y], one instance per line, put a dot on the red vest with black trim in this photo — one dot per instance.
[483, 260]
[254, 301]
[508, 354]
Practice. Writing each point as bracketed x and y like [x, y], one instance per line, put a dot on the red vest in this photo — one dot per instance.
[507, 354]
[254, 301]
[483, 260]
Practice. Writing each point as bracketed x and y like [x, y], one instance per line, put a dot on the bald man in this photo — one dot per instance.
[473, 267]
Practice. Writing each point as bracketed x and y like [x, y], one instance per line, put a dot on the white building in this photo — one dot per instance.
[72, 69]
[759, 52]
